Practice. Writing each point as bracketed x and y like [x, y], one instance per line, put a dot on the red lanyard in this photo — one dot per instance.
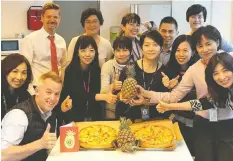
[87, 86]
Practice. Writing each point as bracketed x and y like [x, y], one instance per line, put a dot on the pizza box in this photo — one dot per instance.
[115, 124]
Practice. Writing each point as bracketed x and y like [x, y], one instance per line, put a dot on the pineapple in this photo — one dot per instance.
[69, 139]
[129, 89]
[125, 139]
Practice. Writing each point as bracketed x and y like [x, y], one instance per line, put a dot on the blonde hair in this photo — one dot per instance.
[50, 5]
[49, 75]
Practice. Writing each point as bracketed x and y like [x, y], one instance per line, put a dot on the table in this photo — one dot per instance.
[181, 153]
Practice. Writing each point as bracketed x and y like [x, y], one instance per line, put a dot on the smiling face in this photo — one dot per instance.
[183, 53]
[131, 29]
[17, 76]
[86, 55]
[196, 21]
[48, 94]
[150, 49]
[92, 25]
[206, 48]
[51, 20]
[122, 55]
[223, 76]
[168, 32]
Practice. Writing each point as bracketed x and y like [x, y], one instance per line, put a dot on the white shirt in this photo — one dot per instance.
[14, 125]
[36, 48]
[104, 48]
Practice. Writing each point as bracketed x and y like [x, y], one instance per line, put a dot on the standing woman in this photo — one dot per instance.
[111, 70]
[80, 93]
[91, 20]
[148, 74]
[130, 25]
[182, 57]
[16, 76]
[215, 135]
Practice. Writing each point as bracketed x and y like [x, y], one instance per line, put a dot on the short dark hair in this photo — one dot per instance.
[210, 32]
[82, 43]
[173, 64]
[50, 5]
[122, 42]
[130, 18]
[194, 10]
[170, 20]
[11, 62]
[154, 35]
[91, 11]
[218, 93]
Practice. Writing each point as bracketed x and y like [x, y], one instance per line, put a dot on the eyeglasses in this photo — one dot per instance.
[95, 22]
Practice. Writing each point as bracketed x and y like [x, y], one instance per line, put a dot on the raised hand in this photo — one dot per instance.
[174, 82]
[66, 104]
[165, 80]
[162, 107]
[117, 85]
[48, 139]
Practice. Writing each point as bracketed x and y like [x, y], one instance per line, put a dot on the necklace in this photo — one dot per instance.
[5, 103]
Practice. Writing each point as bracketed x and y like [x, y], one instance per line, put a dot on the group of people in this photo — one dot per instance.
[84, 83]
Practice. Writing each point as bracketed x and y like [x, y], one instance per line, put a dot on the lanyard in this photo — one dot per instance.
[87, 86]
[137, 54]
[4, 101]
[152, 79]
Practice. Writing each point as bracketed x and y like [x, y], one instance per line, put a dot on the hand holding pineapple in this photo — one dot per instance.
[48, 140]
[136, 102]
[66, 104]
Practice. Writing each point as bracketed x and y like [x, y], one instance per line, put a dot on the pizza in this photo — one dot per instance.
[155, 136]
[97, 136]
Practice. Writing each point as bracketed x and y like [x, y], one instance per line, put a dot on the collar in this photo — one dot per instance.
[45, 34]
[44, 115]
[117, 65]
[170, 49]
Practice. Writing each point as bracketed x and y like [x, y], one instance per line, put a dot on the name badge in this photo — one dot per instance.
[213, 115]
[145, 113]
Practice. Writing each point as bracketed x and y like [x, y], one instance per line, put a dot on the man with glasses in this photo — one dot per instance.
[168, 28]
[196, 17]
[91, 20]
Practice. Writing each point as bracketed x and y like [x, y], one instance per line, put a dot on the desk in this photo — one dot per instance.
[181, 153]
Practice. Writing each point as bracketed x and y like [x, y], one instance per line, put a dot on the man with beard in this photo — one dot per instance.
[44, 49]
[168, 28]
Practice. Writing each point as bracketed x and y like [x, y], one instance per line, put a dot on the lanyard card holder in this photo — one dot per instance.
[145, 113]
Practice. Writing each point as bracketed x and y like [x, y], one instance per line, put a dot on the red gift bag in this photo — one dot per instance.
[69, 139]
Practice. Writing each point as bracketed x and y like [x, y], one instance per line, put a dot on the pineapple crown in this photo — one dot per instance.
[70, 133]
[130, 70]
[124, 124]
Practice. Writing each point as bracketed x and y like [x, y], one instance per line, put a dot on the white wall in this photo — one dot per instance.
[221, 17]
[14, 16]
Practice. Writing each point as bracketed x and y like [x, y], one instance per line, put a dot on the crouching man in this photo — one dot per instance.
[28, 129]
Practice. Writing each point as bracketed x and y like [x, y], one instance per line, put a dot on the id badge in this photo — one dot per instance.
[213, 115]
[145, 113]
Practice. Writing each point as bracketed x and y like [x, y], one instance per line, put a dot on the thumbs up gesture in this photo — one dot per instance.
[169, 83]
[174, 81]
[165, 80]
[66, 104]
[117, 84]
[48, 139]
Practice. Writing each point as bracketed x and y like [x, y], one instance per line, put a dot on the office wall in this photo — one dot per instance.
[14, 16]
[221, 17]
